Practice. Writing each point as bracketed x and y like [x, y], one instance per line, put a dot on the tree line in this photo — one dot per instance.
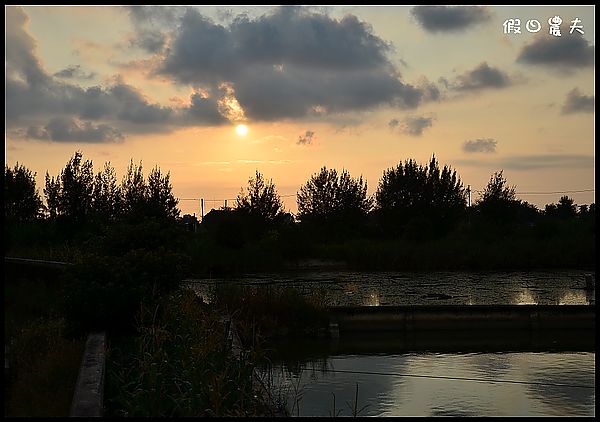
[431, 197]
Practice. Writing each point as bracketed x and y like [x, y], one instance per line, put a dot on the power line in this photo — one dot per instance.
[226, 199]
[552, 193]
[395, 374]
[548, 193]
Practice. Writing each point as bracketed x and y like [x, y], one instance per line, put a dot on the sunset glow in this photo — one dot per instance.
[373, 87]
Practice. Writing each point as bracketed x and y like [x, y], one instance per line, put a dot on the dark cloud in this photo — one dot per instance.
[150, 40]
[74, 72]
[289, 62]
[415, 126]
[563, 53]
[152, 25]
[429, 90]
[202, 111]
[534, 162]
[69, 130]
[577, 102]
[450, 18]
[482, 77]
[306, 139]
[412, 125]
[155, 16]
[20, 62]
[33, 96]
[487, 145]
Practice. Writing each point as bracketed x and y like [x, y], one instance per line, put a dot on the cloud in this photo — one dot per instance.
[151, 41]
[534, 162]
[487, 145]
[152, 25]
[33, 97]
[412, 125]
[563, 53]
[287, 63]
[482, 77]
[153, 16]
[450, 18]
[306, 139]
[70, 130]
[74, 71]
[578, 103]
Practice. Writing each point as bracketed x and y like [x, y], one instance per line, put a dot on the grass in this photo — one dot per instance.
[44, 361]
[44, 366]
[180, 364]
[270, 312]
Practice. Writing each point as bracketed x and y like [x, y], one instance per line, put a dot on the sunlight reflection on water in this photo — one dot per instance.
[346, 288]
[426, 384]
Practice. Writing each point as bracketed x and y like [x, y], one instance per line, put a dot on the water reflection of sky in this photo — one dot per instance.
[420, 288]
[420, 396]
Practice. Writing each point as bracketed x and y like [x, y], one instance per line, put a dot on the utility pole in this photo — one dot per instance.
[202, 209]
[469, 195]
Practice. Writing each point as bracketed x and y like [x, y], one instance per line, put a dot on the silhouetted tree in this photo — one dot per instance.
[499, 201]
[160, 201]
[497, 190]
[52, 194]
[133, 190]
[261, 200]
[329, 199]
[527, 212]
[424, 193]
[107, 196]
[566, 208]
[550, 210]
[22, 201]
[70, 194]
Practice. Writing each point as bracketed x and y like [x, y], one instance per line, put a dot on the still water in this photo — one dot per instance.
[395, 381]
[345, 288]
[440, 384]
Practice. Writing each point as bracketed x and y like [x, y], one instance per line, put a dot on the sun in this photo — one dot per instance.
[241, 130]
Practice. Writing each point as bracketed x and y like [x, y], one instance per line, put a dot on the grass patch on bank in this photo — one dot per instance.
[180, 363]
[44, 365]
[270, 311]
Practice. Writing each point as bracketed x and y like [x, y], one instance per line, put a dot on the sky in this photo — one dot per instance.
[360, 88]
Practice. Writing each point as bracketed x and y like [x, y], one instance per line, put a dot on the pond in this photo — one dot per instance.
[518, 375]
[345, 288]
[439, 384]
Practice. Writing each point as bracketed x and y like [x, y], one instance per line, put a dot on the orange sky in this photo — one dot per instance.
[360, 88]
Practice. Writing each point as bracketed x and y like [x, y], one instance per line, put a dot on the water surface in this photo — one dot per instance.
[344, 288]
[441, 384]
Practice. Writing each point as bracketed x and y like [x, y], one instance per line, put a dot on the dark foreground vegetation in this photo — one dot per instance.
[170, 353]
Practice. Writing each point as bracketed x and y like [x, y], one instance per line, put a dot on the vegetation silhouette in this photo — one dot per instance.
[22, 201]
[420, 201]
[330, 204]
[418, 218]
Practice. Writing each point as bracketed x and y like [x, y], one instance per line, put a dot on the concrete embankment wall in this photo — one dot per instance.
[459, 317]
[88, 399]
